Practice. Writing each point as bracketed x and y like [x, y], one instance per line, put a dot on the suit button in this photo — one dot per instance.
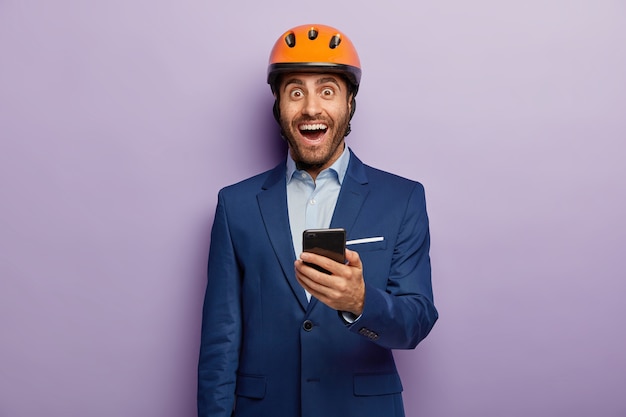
[307, 325]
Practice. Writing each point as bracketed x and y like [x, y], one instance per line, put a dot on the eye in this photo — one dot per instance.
[328, 92]
[296, 93]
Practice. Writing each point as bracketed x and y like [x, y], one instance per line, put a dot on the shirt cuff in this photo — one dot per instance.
[349, 317]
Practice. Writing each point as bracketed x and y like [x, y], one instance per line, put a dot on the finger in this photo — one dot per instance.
[311, 276]
[353, 258]
[317, 289]
[328, 264]
[309, 269]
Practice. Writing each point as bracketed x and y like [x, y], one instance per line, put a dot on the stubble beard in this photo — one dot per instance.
[314, 159]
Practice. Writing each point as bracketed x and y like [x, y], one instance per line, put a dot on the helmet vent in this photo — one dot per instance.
[313, 48]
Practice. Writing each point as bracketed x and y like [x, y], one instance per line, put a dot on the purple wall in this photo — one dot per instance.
[120, 120]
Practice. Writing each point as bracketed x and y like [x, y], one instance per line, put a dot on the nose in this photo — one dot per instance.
[312, 105]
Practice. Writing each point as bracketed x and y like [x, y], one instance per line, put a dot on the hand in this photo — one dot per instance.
[342, 290]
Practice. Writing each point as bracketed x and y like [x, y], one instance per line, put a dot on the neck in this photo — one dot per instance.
[315, 169]
[312, 169]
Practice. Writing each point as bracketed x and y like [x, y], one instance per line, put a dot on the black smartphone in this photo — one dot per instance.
[330, 243]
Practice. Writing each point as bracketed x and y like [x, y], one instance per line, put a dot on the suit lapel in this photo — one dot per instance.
[354, 190]
[273, 205]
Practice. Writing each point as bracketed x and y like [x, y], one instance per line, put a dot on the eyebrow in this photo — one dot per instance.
[319, 81]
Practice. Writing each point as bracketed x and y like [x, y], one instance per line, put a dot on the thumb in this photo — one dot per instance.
[353, 258]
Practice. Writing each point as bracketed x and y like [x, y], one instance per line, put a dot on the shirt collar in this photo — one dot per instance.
[340, 166]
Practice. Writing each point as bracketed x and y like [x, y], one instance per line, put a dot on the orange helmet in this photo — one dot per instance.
[315, 48]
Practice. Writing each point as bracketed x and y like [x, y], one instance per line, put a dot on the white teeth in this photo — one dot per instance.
[317, 126]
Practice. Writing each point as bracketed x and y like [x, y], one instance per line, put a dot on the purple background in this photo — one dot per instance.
[120, 120]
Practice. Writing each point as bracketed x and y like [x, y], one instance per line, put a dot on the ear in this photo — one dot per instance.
[276, 110]
[351, 105]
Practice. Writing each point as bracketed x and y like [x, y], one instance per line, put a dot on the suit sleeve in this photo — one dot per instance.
[221, 323]
[402, 314]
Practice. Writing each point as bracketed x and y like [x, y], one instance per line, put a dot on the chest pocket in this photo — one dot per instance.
[363, 245]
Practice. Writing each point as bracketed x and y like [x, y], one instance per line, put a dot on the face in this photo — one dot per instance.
[314, 116]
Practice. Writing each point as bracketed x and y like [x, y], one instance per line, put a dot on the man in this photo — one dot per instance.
[280, 338]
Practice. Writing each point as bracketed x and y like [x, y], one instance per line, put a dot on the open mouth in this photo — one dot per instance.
[313, 131]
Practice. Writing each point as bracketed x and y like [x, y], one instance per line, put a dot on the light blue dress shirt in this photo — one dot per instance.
[311, 203]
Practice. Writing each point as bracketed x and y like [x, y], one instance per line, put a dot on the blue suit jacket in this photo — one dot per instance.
[267, 352]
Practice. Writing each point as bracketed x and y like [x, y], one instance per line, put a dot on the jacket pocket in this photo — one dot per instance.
[367, 246]
[380, 384]
[251, 386]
